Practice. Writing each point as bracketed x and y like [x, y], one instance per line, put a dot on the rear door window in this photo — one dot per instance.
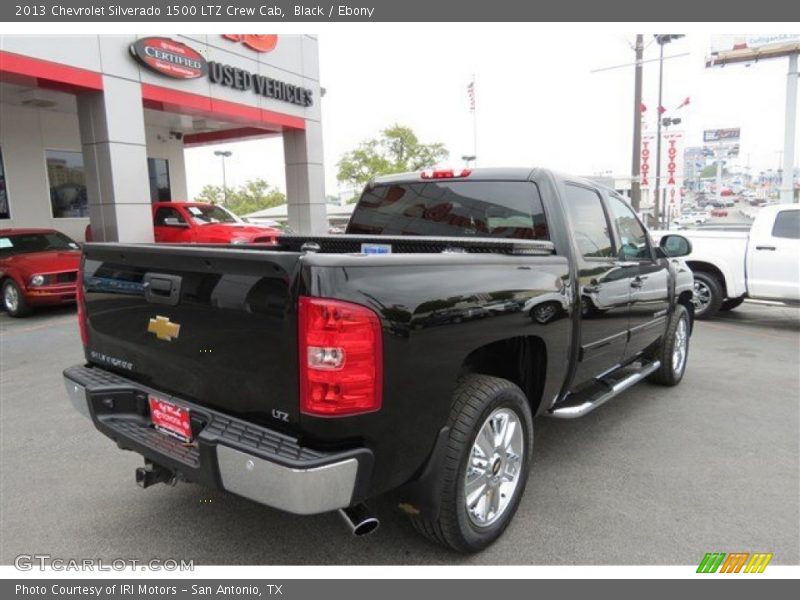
[506, 209]
[589, 223]
[787, 224]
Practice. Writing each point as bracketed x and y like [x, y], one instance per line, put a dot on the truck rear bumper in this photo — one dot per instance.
[228, 453]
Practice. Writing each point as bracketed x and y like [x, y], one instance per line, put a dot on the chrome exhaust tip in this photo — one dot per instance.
[359, 519]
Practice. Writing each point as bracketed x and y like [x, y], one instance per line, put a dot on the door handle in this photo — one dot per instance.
[765, 248]
[162, 288]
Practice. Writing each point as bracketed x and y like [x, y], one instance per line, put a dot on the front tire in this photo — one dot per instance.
[14, 300]
[673, 352]
[486, 464]
[707, 297]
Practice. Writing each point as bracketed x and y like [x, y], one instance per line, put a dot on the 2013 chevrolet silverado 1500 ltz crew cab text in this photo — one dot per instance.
[410, 354]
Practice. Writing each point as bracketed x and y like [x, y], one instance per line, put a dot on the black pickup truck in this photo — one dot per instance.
[410, 354]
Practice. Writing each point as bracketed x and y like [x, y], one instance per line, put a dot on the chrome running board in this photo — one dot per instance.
[568, 410]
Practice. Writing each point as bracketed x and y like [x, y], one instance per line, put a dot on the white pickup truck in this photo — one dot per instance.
[732, 265]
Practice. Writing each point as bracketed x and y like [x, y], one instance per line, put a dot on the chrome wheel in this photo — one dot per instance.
[680, 347]
[701, 298]
[494, 467]
[11, 298]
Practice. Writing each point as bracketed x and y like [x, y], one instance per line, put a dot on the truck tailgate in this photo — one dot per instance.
[212, 325]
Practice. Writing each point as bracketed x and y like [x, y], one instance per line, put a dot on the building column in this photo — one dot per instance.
[115, 157]
[305, 179]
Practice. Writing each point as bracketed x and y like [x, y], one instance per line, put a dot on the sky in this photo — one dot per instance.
[539, 103]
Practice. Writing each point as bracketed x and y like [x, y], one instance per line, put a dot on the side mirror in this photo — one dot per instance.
[174, 222]
[675, 246]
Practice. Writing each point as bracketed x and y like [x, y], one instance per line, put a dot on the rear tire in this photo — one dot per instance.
[485, 467]
[673, 352]
[707, 295]
[14, 300]
[730, 303]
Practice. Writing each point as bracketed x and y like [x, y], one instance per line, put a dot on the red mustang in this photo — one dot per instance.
[202, 223]
[38, 267]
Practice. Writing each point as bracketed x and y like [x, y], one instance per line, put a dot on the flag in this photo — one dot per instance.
[643, 107]
[471, 95]
[684, 103]
[661, 110]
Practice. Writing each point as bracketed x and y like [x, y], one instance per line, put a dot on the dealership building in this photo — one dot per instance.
[93, 128]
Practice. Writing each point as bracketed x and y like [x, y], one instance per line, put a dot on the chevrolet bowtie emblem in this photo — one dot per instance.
[163, 328]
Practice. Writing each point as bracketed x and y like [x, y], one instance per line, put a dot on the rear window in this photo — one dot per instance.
[506, 209]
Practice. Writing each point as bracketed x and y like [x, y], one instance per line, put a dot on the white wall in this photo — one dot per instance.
[25, 135]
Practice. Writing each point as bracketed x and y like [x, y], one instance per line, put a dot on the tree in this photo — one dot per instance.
[250, 197]
[397, 150]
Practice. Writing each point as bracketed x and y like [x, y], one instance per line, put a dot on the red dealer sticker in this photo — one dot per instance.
[170, 58]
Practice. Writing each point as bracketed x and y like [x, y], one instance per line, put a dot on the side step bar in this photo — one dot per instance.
[578, 410]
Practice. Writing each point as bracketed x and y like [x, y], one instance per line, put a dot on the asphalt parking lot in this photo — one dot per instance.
[657, 476]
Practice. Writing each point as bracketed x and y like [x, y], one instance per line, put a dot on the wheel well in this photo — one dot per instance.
[521, 360]
[696, 265]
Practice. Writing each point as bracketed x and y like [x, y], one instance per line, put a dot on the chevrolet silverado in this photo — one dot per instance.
[410, 354]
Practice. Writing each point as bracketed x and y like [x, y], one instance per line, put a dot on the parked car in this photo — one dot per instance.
[719, 212]
[203, 223]
[295, 376]
[759, 261]
[38, 267]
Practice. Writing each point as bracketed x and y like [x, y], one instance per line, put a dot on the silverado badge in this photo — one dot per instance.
[163, 328]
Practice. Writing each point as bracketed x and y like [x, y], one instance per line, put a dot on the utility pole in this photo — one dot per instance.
[636, 163]
[789, 140]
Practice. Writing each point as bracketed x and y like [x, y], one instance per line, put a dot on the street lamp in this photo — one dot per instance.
[467, 158]
[224, 154]
[662, 39]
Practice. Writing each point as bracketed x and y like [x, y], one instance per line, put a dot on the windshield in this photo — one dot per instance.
[25, 243]
[507, 209]
[212, 214]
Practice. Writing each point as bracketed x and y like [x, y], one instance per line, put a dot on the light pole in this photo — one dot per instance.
[224, 154]
[636, 165]
[662, 39]
[467, 158]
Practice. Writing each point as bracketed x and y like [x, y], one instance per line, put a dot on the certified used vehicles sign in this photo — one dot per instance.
[170, 58]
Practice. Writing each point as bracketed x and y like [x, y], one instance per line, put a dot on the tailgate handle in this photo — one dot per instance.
[162, 289]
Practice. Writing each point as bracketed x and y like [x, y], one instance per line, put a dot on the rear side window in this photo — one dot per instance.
[506, 209]
[589, 223]
[787, 224]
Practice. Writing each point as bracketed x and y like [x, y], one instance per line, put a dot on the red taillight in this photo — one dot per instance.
[81, 300]
[445, 173]
[341, 358]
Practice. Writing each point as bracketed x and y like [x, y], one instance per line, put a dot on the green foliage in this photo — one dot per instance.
[250, 197]
[397, 150]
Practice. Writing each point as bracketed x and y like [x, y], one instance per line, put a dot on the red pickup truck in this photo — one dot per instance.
[199, 222]
[203, 223]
